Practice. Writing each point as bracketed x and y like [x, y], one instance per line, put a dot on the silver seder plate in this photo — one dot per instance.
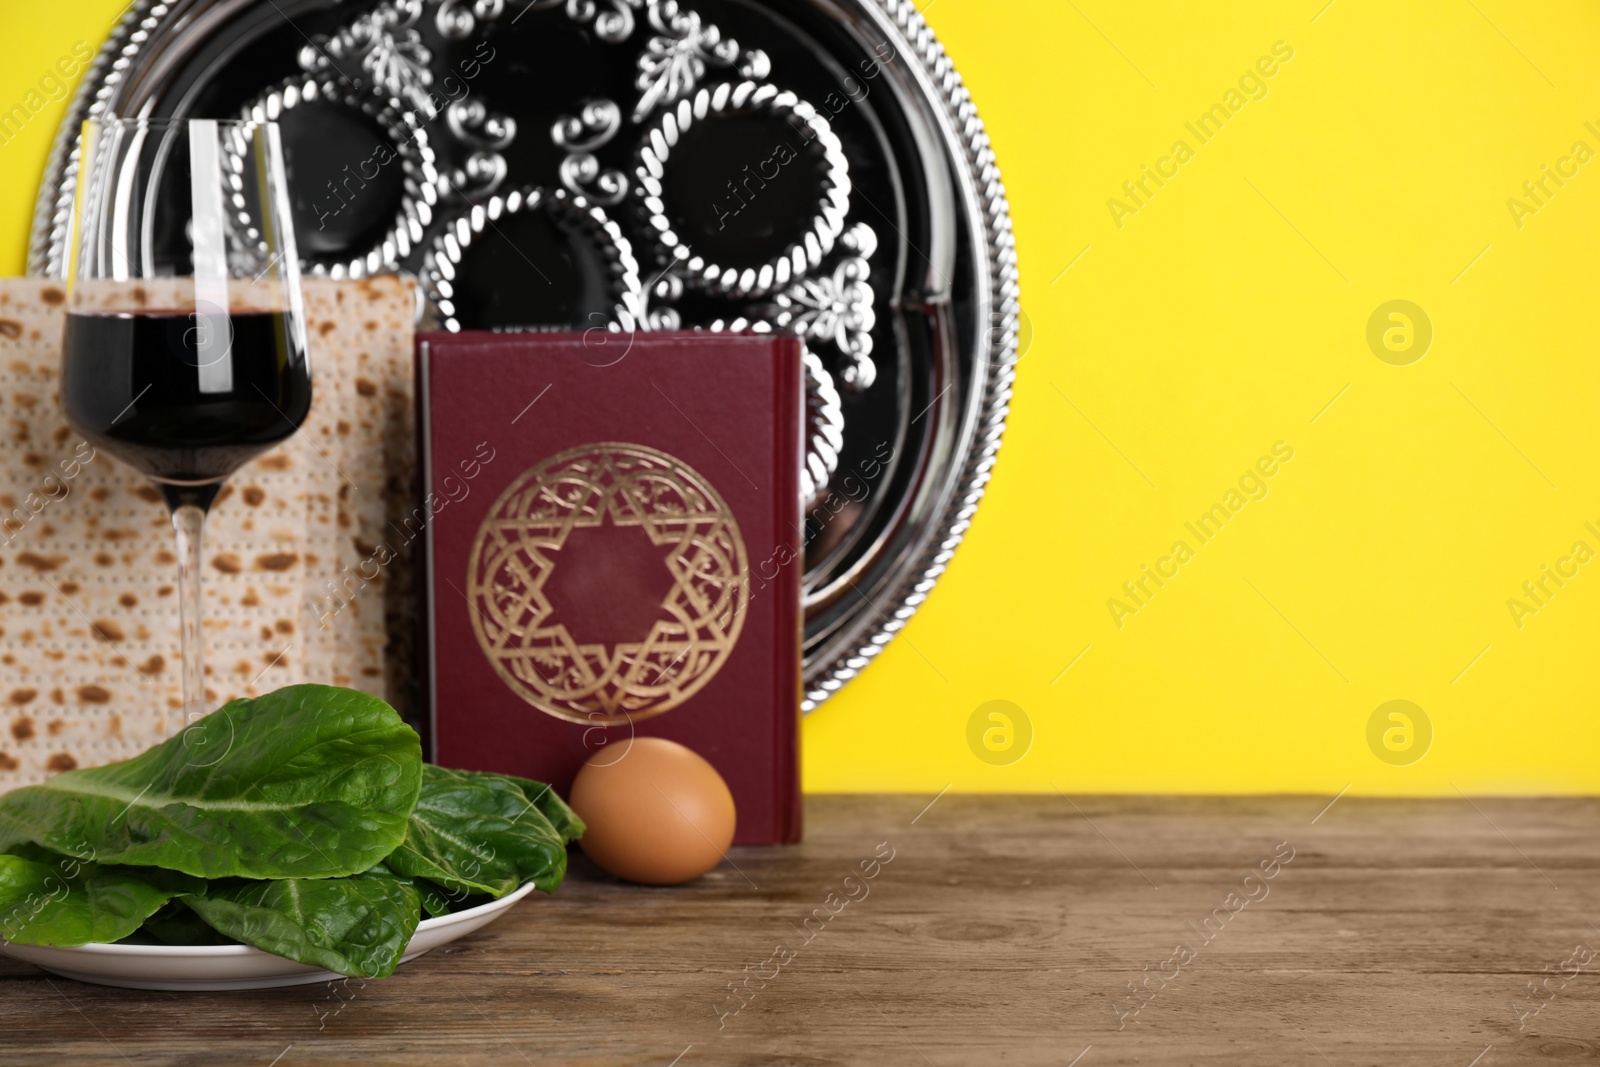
[806, 165]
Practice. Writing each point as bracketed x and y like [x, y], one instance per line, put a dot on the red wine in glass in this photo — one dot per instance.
[131, 384]
[184, 352]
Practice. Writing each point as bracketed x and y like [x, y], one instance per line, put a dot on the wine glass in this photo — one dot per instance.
[184, 353]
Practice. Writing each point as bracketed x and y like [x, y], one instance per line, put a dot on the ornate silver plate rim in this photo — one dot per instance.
[932, 85]
[827, 217]
[450, 247]
[409, 142]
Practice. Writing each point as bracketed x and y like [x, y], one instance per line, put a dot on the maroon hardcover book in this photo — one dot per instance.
[612, 548]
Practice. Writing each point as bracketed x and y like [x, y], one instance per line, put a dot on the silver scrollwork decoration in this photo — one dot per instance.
[480, 174]
[673, 62]
[581, 135]
[613, 20]
[591, 128]
[667, 290]
[473, 123]
[385, 48]
[837, 308]
[486, 132]
[457, 19]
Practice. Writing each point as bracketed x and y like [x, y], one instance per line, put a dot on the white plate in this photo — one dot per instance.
[213, 967]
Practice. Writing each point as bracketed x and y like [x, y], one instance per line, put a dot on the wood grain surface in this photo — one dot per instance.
[1004, 930]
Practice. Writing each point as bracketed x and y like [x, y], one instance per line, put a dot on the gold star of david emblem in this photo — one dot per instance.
[585, 667]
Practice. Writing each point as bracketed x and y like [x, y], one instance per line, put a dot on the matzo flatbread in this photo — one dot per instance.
[89, 662]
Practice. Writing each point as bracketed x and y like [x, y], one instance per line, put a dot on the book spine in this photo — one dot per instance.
[422, 561]
[789, 422]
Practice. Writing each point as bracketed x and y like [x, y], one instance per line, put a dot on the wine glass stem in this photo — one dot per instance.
[187, 522]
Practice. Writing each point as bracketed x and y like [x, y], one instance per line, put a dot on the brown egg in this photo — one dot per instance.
[657, 813]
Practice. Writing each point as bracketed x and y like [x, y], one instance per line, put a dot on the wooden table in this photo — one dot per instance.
[1004, 930]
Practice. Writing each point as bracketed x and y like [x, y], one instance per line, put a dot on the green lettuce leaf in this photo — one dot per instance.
[357, 926]
[309, 781]
[563, 818]
[479, 833]
[177, 924]
[435, 901]
[47, 899]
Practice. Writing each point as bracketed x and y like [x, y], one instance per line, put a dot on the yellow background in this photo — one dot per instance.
[1223, 317]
